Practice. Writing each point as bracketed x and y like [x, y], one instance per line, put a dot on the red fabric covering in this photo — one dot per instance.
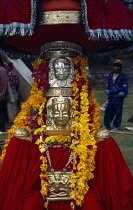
[61, 5]
[99, 12]
[110, 14]
[19, 177]
[113, 182]
[15, 11]
[97, 18]
[44, 34]
[111, 189]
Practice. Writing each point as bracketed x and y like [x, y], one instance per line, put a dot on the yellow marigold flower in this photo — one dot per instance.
[46, 204]
[44, 192]
[75, 72]
[84, 71]
[44, 167]
[38, 61]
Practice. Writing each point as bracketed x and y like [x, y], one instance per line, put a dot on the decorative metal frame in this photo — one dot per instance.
[59, 186]
[60, 17]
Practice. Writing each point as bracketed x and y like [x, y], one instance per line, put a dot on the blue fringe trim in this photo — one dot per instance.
[16, 28]
[21, 29]
[104, 34]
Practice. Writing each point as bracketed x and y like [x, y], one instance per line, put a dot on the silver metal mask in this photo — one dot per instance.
[60, 74]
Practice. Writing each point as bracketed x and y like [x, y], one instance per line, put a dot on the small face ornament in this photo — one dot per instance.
[61, 68]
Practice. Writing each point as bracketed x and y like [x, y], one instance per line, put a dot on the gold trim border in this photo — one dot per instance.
[64, 132]
[53, 92]
[60, 17]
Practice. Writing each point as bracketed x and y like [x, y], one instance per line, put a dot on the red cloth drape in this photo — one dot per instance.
[96, 15]
[15, 11]
[103, 21]
[60, 5]
[108, 14]
[113, 181]
[19, 176]
[111, 188]
[99, 12]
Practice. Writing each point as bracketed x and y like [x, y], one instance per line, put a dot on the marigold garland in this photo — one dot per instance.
[85, 125]
[84, 130]
[31, 106]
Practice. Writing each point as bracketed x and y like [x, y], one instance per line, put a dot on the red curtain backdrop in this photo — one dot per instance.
[111, 188]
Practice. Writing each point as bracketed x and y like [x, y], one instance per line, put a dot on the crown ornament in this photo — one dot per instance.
[61, 48]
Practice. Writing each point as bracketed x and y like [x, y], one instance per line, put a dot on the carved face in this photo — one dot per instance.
[61, 113]
[61, 68]
[58, 176]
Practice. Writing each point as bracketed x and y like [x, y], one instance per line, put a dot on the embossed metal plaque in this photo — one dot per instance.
[59, 91]
[60, 17]
[59, 185]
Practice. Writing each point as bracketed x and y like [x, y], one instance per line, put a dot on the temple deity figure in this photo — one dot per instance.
[61, 69]
[59, 185]
[59, 113]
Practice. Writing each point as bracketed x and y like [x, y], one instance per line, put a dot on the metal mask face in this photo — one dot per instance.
[61, 72]
[61, 113]
[62, 68]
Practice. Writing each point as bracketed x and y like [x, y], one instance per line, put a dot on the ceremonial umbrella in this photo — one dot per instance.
[94, 25]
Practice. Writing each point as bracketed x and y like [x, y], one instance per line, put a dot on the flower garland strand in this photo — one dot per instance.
[42, 149]
[29, 109]
[83, 133]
